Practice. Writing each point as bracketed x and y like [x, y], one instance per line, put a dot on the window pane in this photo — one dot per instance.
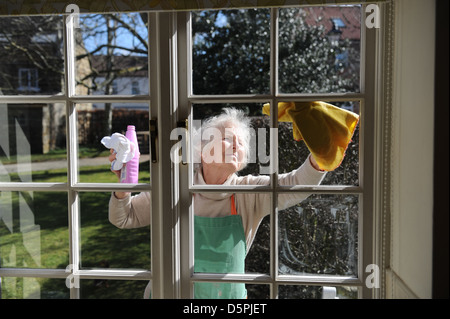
[111, 54]
[112, 289]
[231, 51]
[34, 230]
[319, 235]
[33, 288]
[258, 291]
[103, 245]
[257, 149]
[93, 125]
[226, 243]
[33, 143]
[292, 154]
[32, 55]
[319, 49]
[316, 292]
[258, 256]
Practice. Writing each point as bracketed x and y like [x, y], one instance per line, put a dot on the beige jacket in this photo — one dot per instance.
[134, 211]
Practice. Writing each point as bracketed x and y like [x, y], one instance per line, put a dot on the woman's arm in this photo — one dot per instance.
[130, 211]
[308, 173]
[126, 211]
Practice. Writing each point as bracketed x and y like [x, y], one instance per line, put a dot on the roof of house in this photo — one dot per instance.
[346, 19]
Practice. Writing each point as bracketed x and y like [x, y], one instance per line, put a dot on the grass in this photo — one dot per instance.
[34, 234]
[55, 155]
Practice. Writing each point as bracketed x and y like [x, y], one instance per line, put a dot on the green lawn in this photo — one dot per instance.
[37, 236]
[60, 154]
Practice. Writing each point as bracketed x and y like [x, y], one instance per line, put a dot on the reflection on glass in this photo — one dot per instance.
[258, 256]
[258, 292]
[33, 143]
[292, 154]
[32, 55]
[33, 288]
[319, 49]
[34, 230]
[316, 292]
[319, 236]
[231, 51]
[257, 150]
[112, 54]
[93, 125]
[105, 246]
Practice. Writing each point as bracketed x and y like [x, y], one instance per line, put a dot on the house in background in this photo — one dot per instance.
[131, 79]
[32, 64]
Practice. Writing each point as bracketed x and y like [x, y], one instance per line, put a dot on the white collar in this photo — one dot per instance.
[199, 180]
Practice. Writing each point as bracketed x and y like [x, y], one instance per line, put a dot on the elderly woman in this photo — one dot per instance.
[225, 224]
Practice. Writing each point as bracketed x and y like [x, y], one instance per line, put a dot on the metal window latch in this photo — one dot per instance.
[183, 149]
[153, 136]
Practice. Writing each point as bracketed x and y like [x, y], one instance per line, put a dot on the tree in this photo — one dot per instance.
[32, 63]
[110, 46]
[232, 54]
[31, 43]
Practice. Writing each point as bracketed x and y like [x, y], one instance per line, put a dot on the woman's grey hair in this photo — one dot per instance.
[233, 116]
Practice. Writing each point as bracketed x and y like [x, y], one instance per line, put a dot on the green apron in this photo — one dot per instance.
[219, 248]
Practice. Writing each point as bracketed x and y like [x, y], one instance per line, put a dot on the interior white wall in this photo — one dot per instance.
[412, 153]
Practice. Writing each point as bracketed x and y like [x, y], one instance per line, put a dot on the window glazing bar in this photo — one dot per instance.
[274, 154]
[110, 98]
[33, 272]
[45, 187]
[110, 187]
[22, 99]
[116, 274]
[325, 189]
[237, 278]
[72, 154]
[59, 98]
[236, 98]
[281, 279]
[262, 279]
[319, 280]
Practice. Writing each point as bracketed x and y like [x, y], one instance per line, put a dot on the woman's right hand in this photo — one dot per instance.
[112, 157]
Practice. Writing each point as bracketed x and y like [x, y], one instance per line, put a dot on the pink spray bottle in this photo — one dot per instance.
[130, 171]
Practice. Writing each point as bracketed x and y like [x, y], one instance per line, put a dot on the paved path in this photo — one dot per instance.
[42, 166]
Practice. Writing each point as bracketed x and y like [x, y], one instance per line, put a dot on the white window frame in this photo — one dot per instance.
[371, 46]
[73, 187]
[171, 271]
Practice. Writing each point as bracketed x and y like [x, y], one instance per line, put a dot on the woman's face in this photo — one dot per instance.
[231, 147]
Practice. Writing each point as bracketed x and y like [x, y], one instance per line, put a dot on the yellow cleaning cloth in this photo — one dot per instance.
[326, 129]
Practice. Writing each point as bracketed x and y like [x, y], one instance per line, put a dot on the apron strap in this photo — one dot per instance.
[233, 206]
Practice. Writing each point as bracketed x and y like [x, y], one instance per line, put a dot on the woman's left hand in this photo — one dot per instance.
[314, 163]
